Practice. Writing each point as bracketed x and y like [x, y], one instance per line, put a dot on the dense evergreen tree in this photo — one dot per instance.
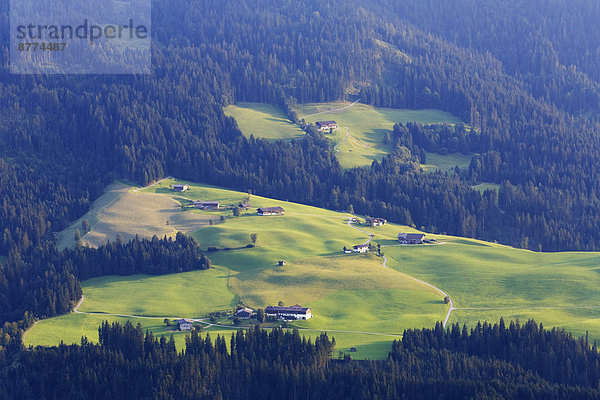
[499, 362]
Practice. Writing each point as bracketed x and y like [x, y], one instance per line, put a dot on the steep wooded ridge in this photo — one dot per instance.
[525, 74]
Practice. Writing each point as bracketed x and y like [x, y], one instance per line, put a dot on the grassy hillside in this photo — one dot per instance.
[125, 210]
[362, 130]
[345, 291]
[559, 289]
[189, 294]
[353, 297]
[71, 327]
[359, 140]
[263, 121]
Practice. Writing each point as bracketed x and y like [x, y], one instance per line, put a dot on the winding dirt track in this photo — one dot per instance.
[209, 324]
[331, 111]
[385, 260]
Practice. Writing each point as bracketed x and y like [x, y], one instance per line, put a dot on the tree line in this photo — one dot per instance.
[47, 283]
[488, 362]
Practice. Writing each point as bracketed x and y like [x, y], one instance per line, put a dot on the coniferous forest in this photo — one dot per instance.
[486, 362]
[523, 76]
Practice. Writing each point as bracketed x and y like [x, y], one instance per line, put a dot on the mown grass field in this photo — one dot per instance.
[71, 327]
[190, 294]
[359, 140]
[308, 238]
[124, 210]
[263, 121]
[353, 294]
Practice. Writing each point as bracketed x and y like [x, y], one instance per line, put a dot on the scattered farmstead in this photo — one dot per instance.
[375, 221]
[327, 125]
[410, 238]
[289, 313]
[184, 324]
[361, 248]
[270, 211]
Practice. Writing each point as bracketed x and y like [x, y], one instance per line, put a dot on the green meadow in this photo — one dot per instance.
[359, 140]
[353, 297]
[124, 209]
[151, 296]
[263, 121]
[70, 328]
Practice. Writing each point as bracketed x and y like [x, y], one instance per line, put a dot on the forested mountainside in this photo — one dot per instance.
[520, 74]
[549, 46]
[488, 362]
[538, 146]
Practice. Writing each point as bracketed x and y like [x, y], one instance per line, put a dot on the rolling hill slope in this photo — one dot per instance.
[355, 297]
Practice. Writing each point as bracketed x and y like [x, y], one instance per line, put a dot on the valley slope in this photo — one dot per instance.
[354, 297]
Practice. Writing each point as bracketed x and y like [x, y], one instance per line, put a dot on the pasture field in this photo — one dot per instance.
[558, 289]
[122, 210]
[190, 294]
[359, 140]
[263, 121]
[71, 327]
[577, 321]
[353, 297]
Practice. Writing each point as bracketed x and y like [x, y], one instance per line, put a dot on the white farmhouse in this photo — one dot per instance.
[361, 248]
